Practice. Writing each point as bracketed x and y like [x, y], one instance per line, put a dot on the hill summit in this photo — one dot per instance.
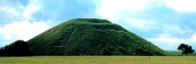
[90, 36]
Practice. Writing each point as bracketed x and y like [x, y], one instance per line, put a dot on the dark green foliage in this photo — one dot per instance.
[91, 37]
[185, 48]
[18, 48]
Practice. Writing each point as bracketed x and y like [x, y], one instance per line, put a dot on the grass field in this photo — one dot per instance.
[178, 53]
[99, 60]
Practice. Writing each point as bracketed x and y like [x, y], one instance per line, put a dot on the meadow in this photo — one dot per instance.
[99, 60]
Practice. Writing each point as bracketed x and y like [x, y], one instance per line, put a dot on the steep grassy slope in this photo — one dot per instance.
[91, 37]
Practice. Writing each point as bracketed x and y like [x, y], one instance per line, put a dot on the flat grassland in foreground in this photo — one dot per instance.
[99, 60]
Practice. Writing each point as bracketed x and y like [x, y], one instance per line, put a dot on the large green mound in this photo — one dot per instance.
[90, 36]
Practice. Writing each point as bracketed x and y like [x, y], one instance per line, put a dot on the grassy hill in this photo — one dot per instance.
[88, 36]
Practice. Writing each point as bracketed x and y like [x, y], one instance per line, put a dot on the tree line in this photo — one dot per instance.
[18, 48]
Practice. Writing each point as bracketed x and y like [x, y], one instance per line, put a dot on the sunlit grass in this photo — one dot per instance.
[99, 60]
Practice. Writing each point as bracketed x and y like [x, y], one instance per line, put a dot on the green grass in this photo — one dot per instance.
[177, 53]
[174, 53]
[99, 60]
[91, 37]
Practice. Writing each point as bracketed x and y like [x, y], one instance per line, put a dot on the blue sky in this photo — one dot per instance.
[166, 23]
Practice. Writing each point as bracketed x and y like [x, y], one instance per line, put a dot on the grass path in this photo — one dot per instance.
[99, 60]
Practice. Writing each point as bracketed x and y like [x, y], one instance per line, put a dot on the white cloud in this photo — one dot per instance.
[24, 30]
[181, 5]
[140, 24]
[167, 39]
[123, 9]
[172, 35]
[120, 11]
[176, 29]
[113, 9]
[11, 10]
[171, 41]
[31, 8]
[20, 10]
[21, 26]
[193, 38]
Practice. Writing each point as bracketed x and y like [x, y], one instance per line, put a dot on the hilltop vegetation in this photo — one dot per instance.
[91, 37]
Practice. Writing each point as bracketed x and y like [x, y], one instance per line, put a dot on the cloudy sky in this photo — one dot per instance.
[166, 23]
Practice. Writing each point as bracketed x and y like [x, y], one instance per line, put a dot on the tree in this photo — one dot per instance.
[185, 48]
[18, 48]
